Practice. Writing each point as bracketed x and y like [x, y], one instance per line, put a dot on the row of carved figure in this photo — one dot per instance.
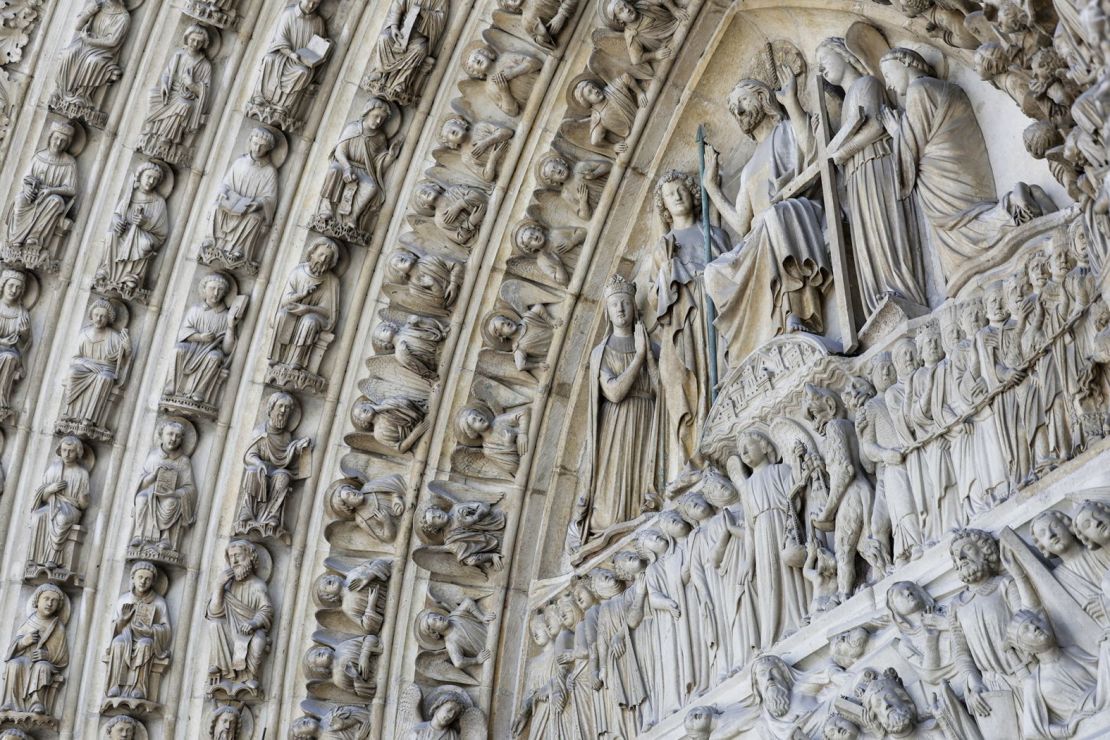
[1020, 652]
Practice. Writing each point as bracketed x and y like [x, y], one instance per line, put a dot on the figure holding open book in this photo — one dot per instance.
[299, 47]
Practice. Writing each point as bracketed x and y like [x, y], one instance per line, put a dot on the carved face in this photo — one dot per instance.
[476, 422]
[280, 412]
[100, 317]
[1092, 523]
[753, 452]
[698, 722]
[1058, 262]
[749, 111]
[831, 65]
[624, 11]
[329, 589]
[622, 313]
[453, 133]
[70, 450]
[308, 6]
[584, 598]
[446, 714]
[260, 145]
[970, 562]
[49, 602]
[122, 731]
[677, 199]
[1029, 632]
[196, 40]
[478, 63]
[697, 508]
[13, 289]
[58, 142]
[897, 76]
[773, 686]
[1037, 269]
[426, 195]
[319, 259]
[906, 599]
[654, 542]
[214, 292]
[142, 581]
[883, 374]
[537, 628]
[376, 117]
[894, 714]
[590, 93]
[932, 351]
[502, 327]
[837, 727]
[849, 646]
[973, 318]
[1052, 535]
[239, 559]
[531, 238]
[1080, 245]
[1012, 19]
[567, 610]
[226, 726]
[149, 179]
[555, 171]
[905, 358]
[401, 261]
[434, 519]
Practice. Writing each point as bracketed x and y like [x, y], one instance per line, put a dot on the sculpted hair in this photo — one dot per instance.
[909, 58]
[984, 542]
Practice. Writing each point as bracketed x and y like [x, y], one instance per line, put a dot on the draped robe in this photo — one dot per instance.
[85, 67]
[234, 229]
[129, 254]
[274, 459]
[147, 636]
[34, 222]
[178, 104]
[23, 676]
[54, 515]
[366, 151]
[93, 374]
[282, 80]
[295, 336]
[236, 653]
[15, 329]
[161, 510]
[398, 64]
[198, 364]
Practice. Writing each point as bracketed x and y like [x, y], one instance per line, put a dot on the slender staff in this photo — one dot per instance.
[707, 241]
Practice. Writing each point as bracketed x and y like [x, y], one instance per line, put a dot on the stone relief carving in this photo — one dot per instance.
[544, 250]
[40, 216]
[423, 283]
[492, 431]
[609, 109]
[166, 499]
[508, 76]
[480, 145]
[20, 19]
[91, 61]
[139, 228]
[140, 649]
[456, 210]
[519, 331]
[244, 207]
[298, 49]
[542, 20]
[413, 343]
[354, 187]
[375, 506]
[15, 334]
[305, 320]
[36, 660]
[218, 13]
[206, 342]
[345, 667]
[275, 460]
[452, 637]
[123, 727]
[646, 28]
[460, 532]
[578, 184]
[56, 510]
[180, 103]
[356, 591]
[445, 711]
[406, 49]
[229, 722]
[96, 373]
[240, 615]
[388, 418]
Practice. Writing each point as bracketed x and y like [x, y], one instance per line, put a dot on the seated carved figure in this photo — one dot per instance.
[139, 228]
[37, 219]
[91, 61]
[274, 461]
[245, 206]
[471, 531]
[56, 511]
[375, 507]
[543, 20]
[142, 637]
[298, 47]
[611, 109]
[36, 657]
[15, 335]
[165, 504]
[240, 615]
[499, 71]
[405, 51]
[305, 319]
[179, 102]
[781, 262]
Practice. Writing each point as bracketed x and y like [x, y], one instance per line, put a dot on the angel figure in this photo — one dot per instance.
[345, 722]
[414, 343]
[348, 665]
[458, 210]
[543, 20]
[481, 145]
[426, 283]
[648, 26]
[396, 422]
[446, 713]
[499, 71]
[612, 108]
[471, 531]
[359, 591]
[524, 326]
[453, 637]
[1077, 568]
[497, 423]
[375, 507]
[545, 247]
[579, 185]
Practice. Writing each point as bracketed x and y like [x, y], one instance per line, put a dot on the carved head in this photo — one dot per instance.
[552, 620]
[432, 624]
[502, 327]
[143, 576]
[13, 284]
[400, 264]
[627, 564]
[60, 137]
[901, 66]
[605, 583]
[329, 590]
[224, 724]
[384, 336]
[479, 62]
[1080, 240]
[975, 555]
[280, 408]
[1052, 533]
[700, 722]
[751, 102]
[317, 662]
[695, 508]
[991, 60]
[717, 489]
[755, 449]
[1012, 18]
[588, 93]
[821, 405]
[1039, 137]
[834, 60]
[71, 449]
[473, 422]
[147, 177]
[213, 289]
[1030, 632]
[620, 302]
[972, 316]
[772, 683]
[567, 609]
[1092, 524]
[47, 600]
[454, 132]
[858, 392]
[653, 543]
[553, 170]
[950, 332]
[537, 628]
[375, 114]
[929, 345]
[242, 558]
[849, 646]
[905, 599]
[1047, 64]
[584, 597]
[886, 704]
[323, 255]
[262, 141]
[196, 37]
[308, 7]
[1059, 258]
[121, 727]
[511, 6]
[305, 728]
[904, 356]
[447, 706]
[529, 236]
[677, 195]
[424, 198]
[883, 374]
[434, 520]
[838, 727]
[620, 13]
[1037, 269]
[102, 313]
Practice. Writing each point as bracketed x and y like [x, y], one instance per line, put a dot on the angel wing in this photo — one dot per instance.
[498, 396]
[521, 295]
[793, 440]
[472, 725]
[868, 44]
[435, 665]
[409, 712]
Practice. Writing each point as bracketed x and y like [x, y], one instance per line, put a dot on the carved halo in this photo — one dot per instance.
[88, 456]
[294, 415]
[64, 611]
[80, 137]
[343, 255]
[265, 561]
[161, 580]
[189, 443]
[31, 286]
[246, 719]
[140, 729]
[165, 185]
[573, 105]
[281, 144]
[493, 341]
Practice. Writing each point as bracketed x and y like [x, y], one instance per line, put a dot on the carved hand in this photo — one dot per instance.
[890, 121]
[975, 701]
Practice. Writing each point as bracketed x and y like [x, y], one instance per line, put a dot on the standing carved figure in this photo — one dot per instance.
[139, 228]
[1075, 566]
[245, 206]
[274, 460]
[36, 658]
[885, 239]
[291, 64]
[205, 343]
[15, 335]
[95, 374]
[354, 186]
[622, 415]
[38, 218]
[91, 61]
[56, 510]
[305, 319]
[240, 614]
[406, 49]
[179, 103]
[781, 260]
[141, 638]
[165, 504]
